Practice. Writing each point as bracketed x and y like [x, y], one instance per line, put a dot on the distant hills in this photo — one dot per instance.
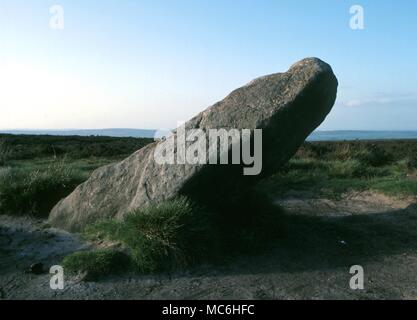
[340, 135]
[337, 135]
[136, 133]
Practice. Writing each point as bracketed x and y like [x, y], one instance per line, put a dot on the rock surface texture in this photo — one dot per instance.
[286, 106]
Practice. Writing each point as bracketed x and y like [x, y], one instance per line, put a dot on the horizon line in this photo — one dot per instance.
[142, 129]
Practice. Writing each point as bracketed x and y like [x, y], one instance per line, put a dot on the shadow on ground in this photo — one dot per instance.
[323, 243]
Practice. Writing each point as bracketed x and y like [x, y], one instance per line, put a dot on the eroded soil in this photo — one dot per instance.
[322, 239]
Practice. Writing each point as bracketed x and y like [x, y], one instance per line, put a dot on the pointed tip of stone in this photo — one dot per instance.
[311, 62]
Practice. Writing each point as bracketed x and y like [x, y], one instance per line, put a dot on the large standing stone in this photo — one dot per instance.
[286, 106]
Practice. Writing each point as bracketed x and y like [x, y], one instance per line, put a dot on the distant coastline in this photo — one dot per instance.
[336, 135]
[116, 132]
[351, 135]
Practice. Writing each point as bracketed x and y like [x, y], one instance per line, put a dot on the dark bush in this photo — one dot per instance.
[4, 152]
[374, 156]
[411, 161]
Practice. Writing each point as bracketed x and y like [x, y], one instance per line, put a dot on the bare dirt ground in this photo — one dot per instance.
[323, 238]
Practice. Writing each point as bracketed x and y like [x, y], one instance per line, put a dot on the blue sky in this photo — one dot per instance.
[151, 64]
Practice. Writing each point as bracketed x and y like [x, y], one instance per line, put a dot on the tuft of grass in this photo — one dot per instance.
[161, 237]
[35, 191]
[96, 264]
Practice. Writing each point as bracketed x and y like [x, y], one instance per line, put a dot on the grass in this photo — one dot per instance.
[96, 264]
[38, 171]
[35, 191]
[332, 169]
[34, 187]
[4, 152]
[29, 147]
[168, 236]
[333, 178]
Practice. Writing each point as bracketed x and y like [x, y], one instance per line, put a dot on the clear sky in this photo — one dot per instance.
[150, 64]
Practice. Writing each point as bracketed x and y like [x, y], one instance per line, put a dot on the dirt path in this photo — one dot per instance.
[323, 239]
